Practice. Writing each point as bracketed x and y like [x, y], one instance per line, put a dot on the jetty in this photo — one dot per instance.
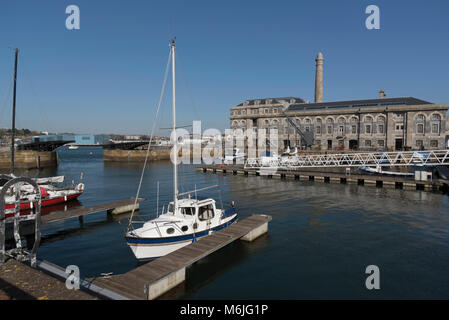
[18, 280]
[115, 207]
[346, 177]
[153, 279]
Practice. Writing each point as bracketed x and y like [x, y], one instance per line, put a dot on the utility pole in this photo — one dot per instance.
[14, 109]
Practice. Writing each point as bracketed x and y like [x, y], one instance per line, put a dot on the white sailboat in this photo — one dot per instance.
[185, 219]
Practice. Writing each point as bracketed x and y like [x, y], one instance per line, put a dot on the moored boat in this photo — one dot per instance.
[185, 219]
[50, 194]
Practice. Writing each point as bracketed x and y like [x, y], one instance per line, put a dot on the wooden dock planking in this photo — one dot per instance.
[79, 212]
[137, 283]
[19, 281]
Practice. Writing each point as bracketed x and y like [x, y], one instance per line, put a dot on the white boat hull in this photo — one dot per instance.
[152, 248]
[147, 252]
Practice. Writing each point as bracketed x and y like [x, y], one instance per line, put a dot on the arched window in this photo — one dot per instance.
[354, 121]
[307, 125]
[341, 126]
[330, 126]
[318, 124]
[420, 124]
[381, 125]
[368, 125]
[435, 124]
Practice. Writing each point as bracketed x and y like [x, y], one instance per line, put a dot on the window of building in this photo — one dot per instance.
[341, 129]
[318, 124]
[380, 129]
[435, 128]
[330, 126]
[434, 143]
[353, 129]
[275, 110]
[266, 110]
[435, 124]
[419, 143]
[420, 128]
[368, 129]
[368, 143]
[399, 126]
[381, 143]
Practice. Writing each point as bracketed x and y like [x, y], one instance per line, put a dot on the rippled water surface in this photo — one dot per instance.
[319, 243]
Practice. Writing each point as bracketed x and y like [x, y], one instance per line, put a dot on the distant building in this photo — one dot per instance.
[132, 137]
[86, 139]
[371, 124]
[91, 139]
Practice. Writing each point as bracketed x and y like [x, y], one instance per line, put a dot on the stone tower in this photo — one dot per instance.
[319, 78]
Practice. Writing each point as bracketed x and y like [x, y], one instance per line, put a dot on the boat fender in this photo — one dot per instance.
[80, 187]
[44, 193]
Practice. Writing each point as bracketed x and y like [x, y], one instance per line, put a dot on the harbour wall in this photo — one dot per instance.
[136, 155]
[29, 159]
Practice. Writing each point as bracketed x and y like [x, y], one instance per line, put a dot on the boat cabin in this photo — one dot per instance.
[205, 208]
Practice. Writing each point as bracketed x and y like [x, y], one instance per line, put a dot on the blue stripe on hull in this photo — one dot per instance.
[193, 237]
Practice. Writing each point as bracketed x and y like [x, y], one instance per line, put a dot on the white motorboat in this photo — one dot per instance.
[185, 219]
[182, 224]
[378, 170]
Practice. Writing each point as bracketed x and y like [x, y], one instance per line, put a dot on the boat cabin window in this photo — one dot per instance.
[170, 208]
[206, 212]
[188, 211]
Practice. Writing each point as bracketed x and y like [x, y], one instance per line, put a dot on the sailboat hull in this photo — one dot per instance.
[151, 248]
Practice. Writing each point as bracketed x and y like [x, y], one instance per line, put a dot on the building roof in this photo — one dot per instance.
[357, 104]
[263, 101]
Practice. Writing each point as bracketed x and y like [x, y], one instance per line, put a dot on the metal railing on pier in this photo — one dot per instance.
[371, 159]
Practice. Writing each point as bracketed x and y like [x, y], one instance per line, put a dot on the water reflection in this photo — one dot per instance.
[321, 238]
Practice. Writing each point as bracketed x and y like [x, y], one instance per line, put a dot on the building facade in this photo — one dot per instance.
[374, 124]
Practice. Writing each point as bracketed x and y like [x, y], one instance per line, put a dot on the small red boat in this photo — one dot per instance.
[50, 195]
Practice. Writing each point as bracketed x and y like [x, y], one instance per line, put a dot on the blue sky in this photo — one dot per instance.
[106, 77]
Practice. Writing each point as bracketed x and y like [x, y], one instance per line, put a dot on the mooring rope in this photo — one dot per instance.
[151, 139]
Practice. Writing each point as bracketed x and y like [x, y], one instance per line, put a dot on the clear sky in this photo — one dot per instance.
[106, 77]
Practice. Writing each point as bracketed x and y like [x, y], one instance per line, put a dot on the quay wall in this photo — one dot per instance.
[136, 155]
[29, 159]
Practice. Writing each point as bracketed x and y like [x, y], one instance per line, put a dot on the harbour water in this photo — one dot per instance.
[320, 241]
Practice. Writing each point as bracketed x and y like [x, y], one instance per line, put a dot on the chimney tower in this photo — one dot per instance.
[319, 78]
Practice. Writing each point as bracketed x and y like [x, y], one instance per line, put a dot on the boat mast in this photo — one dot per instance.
[14, 110]
[175, 147]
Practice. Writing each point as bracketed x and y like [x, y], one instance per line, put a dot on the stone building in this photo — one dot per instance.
[374, 124]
